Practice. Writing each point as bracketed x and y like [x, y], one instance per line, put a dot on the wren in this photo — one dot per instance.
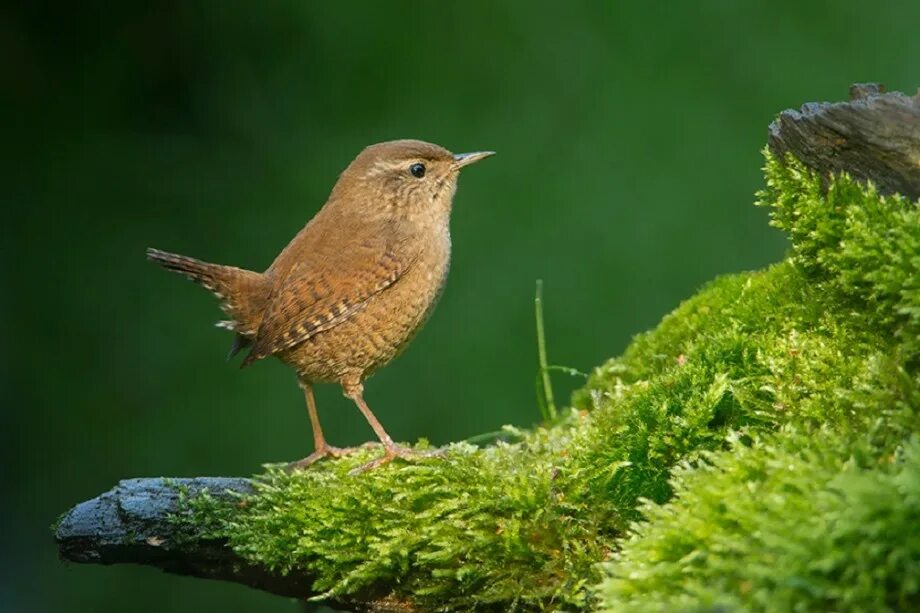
[354, 286]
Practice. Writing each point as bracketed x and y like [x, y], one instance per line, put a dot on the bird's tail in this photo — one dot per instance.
[242, 293]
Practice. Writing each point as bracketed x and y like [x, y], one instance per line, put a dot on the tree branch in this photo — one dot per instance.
[875, 136]
[131, 524]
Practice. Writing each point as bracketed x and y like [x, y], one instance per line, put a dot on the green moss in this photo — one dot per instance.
[854, 243]
[821, 514]
[796, 522]
[749, 372]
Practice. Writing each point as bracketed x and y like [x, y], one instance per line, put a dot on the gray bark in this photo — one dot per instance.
[131, 524]
[874, 136]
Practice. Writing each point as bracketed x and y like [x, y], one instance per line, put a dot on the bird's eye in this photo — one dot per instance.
[417, 170]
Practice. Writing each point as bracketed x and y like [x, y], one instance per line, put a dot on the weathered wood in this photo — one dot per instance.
[130, 524]
[875, 136]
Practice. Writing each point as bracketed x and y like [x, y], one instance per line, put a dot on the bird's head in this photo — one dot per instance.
[407, 180]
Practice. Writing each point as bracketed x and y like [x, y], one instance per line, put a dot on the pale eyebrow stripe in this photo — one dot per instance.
[382, 167]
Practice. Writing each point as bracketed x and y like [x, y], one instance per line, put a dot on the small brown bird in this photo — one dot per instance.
[354, 286]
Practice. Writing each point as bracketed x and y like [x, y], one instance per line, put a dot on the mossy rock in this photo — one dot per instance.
[756, 451]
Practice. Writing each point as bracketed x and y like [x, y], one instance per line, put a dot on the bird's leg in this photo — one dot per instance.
[321, 448]
[355, 391]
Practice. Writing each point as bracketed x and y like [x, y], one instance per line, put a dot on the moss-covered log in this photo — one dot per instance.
[133, 523]
[757, 448]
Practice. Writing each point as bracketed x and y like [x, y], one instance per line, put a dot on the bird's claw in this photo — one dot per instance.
[393, 452]
[322, 452]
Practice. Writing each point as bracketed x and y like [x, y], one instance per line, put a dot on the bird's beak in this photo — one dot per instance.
[465, 159]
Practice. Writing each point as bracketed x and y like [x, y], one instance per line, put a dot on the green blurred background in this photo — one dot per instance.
[629, 141]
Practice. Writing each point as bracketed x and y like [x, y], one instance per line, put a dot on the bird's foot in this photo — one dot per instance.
[326, 451]
[391, 452]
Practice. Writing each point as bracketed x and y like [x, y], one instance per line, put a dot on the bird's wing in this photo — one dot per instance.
[325, 290]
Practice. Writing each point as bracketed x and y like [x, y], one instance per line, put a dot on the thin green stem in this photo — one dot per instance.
[547, 404]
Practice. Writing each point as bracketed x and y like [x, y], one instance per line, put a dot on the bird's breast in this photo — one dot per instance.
[383, 327]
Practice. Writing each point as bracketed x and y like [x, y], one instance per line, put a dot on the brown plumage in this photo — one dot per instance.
[356, 283]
